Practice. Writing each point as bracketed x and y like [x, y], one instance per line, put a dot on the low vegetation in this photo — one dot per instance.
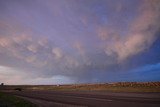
[18, 89]
[114, 87]
[13, 101]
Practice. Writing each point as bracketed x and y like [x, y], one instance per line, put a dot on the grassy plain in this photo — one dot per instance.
[111, 87]
[7, 100]
[13, 101]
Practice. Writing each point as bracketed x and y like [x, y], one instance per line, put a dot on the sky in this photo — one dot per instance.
[79, 41]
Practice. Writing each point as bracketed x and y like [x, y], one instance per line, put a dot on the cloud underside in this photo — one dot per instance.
[140, 35]
[48, 54]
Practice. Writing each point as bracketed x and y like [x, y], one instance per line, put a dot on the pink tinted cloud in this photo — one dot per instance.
[141, 33]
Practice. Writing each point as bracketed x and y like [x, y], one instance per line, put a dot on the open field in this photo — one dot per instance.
[7, 100]
[113, 87]
[121, 94]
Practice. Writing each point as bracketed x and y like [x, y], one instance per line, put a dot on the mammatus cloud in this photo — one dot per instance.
[140, 35]
[57, 53]
[39, 55]
[73, 41]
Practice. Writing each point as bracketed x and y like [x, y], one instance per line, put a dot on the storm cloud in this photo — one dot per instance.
[75, 41]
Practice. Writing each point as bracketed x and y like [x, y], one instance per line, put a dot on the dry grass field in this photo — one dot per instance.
[112, 87]
[92, 95]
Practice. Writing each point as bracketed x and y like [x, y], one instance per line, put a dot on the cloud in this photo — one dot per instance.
[4, 42]
[9, 75]
[20, 39]
[56, 79]
[31, 59]
[108, 34]
[80, 48]
[140, 36]
[75, 39]
[43, 42]
[57, 53]
[71, 62]
[82, 52]
[32, 48]
[148, 72]
[24, 48]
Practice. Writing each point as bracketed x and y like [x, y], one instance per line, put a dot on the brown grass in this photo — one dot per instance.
[114, 87]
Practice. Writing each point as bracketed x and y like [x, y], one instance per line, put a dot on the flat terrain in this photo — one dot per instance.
[121, 94]
[110, 87]
[7, 100]
[90, 99]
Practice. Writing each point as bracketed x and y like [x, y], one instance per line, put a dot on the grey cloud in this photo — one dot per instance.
[72, 39]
